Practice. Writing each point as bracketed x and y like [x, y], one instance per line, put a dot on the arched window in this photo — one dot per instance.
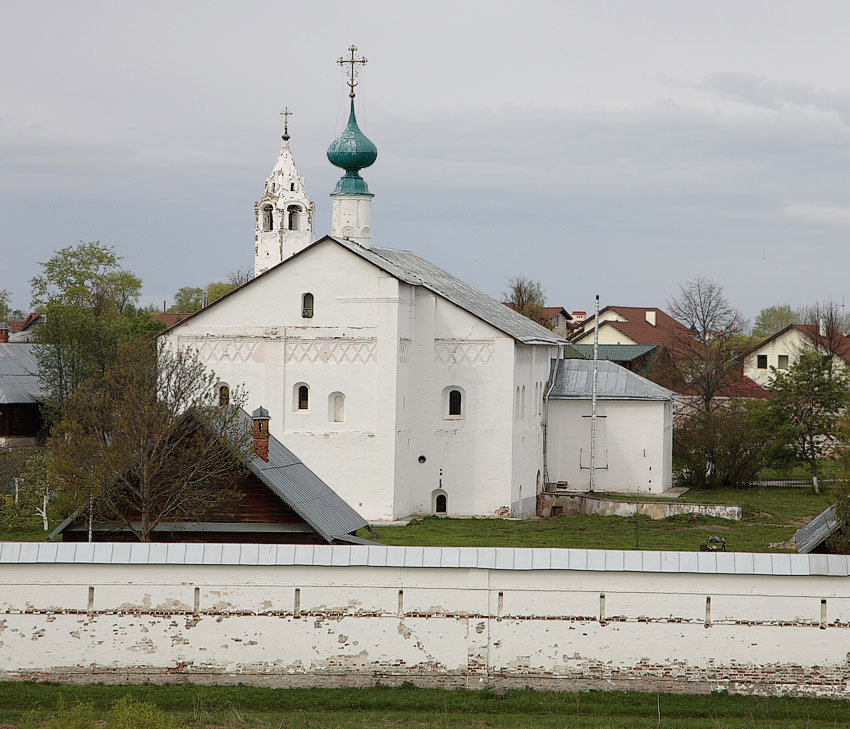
[455, 402]
[223, 391]
[439, 501]
[268, 218]
[293, 214]
[336, 407]
[307, 306]
[302, 397]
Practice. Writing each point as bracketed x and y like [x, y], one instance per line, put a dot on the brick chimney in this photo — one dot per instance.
[260, 432]
[4, 332]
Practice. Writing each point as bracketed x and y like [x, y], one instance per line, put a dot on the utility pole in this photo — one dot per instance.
[593, 397]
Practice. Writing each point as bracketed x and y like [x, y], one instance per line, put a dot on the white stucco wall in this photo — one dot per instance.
[569, 619]
[791, 344]
[607, 334]
[634, 445]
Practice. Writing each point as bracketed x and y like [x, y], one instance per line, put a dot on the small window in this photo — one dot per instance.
[307, 306]
[336, 407]
[292, 187]
[293, 215]
[303, 397]
[761, 361]
[440, 504]
[783, 362]
[223, 395]
[268, 217]
[455, 402]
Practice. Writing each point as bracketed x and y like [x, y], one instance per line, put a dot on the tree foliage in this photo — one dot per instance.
[24, 486]
[774, 319]
[829, 324]
[720, 448]
[88, 276]
[148, 441]
[709, 359]
[809, 399]
[190, 299]
[528, 298]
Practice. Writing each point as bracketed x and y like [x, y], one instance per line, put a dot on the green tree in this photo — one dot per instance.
[809, 399]
[528, 298]
[87, 275]
[217, 289]
[774, 319]
[190, 299]
[5, 305]
[148, 441]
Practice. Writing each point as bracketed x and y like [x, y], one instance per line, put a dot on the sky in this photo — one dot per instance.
[611, 148]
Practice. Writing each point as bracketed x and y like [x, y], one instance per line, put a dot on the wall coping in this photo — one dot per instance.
[491, 558]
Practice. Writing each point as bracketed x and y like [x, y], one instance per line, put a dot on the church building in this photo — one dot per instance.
[405, 389]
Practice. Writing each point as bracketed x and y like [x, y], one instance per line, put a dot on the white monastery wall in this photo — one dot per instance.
[634, 445]
[286, 615]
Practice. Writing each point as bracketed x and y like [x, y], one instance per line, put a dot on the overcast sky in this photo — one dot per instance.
[617, 148]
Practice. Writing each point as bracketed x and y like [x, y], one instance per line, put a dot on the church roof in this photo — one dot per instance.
[416, 271]
[572, 379]
[412, 269]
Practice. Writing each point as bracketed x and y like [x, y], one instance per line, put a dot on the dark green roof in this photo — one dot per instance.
[615, 352]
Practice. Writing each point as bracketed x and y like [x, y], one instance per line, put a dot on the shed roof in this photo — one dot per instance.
[298, 487]
[823, 526]
[18, 374]
[615, 352]
[572, 379]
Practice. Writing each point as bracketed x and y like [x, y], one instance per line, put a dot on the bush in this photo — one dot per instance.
[126, 713]
[722, 448]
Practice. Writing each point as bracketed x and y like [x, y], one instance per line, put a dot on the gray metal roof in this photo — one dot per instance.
[412, 269]
[495, 558]
[298, 487]
[817, 530]
[310, 497]
[18, 374]
[573, 380]
[615, 352]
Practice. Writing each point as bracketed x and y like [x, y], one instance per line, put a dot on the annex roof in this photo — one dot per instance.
[298, 487]
[615, 352]
[416, 271]
[823, 526]
[490, 558]
[572, 379]
[637, 328]
[18, 374]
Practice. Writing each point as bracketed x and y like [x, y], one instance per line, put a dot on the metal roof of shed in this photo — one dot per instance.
[496, 558]
[615, 352]
[573, 380]
[18, 374]
[817, 530]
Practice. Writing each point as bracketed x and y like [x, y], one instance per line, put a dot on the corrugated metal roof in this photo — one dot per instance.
[615, 352]
[18, 374]
[412, 269]
[496, 558]
[817, 530]
[574, 381]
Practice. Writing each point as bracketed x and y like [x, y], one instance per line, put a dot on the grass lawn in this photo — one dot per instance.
[771, 516]
[29, 533]
[399, 708]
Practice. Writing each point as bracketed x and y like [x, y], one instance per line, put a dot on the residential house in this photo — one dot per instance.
[785, 347]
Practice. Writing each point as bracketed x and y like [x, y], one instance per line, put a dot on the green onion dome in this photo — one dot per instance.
[352, 151]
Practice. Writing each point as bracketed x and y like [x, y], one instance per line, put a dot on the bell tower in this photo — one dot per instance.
[284, 214]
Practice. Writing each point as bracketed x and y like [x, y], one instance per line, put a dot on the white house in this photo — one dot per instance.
[405, 389]
[634, 429]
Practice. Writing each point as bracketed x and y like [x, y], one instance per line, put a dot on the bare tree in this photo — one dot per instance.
[709, 359]
[826, 326]
[148, 442]
[239, 276]
[528, 298]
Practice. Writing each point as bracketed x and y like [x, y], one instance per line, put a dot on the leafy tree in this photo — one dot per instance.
[188, 300]
[24, 486]
[148, 441]
[774, 319]
[709, 359]
[720, 448]
[218, 289]
[805, 411]
[87, 275]
[528, 298]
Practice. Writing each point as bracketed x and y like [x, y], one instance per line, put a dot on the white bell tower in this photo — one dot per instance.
[284, 214]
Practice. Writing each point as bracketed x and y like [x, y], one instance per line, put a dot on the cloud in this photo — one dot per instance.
[839, 214]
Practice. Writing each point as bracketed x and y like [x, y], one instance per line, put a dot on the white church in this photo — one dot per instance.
[405, 389]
